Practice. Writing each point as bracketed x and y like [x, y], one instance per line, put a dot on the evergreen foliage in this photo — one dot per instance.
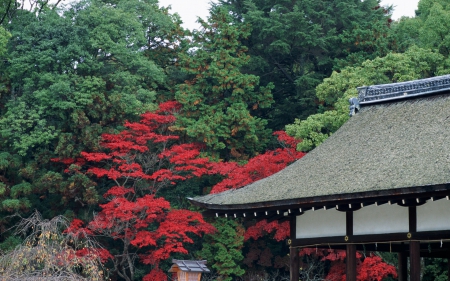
[223, 250]
[296, 44]
[218, 99]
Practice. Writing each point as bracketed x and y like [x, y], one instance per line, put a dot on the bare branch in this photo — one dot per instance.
[49, 253]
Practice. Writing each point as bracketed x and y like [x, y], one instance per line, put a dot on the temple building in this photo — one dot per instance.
[380, 183]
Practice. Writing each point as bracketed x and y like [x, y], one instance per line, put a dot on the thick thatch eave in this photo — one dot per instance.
[390, 148]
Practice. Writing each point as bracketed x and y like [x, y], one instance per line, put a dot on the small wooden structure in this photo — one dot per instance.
[380, 183]
[188, 270]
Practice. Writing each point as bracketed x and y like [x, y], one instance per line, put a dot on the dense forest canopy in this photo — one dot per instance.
[112, 114]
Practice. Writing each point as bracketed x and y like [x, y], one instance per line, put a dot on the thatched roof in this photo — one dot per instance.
[386, 148]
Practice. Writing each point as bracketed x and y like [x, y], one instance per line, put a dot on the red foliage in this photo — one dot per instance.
[337, 272]
[374, 269]
[144, 151]
[266, 258]
[259, 167]
[149, 223]
[103, 254]
[253, 254]
[155, 275]
[77, 229]
[371, 268]
[263, 227]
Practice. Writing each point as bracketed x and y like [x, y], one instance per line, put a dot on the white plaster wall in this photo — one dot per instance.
[321, 223]
[380, 219]
[433, 215]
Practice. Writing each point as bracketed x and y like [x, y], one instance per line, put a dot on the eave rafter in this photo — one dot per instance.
[279, 211]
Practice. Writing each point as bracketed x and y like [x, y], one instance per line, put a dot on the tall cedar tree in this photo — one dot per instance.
[296, 44]
[218, 99]
[139, 161]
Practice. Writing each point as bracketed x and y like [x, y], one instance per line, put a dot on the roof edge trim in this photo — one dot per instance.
[326, 198]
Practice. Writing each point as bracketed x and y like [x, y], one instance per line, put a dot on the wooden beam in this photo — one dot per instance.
[413, 202]
[436, 251]
[371, 238]
[414, 260]
[348, 207]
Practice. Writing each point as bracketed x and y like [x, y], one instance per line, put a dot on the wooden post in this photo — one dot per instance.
[402, 266]
[351, 249]
[294, 264]
[412, 214]
[414, 259]
[414, 247]
[351, 263]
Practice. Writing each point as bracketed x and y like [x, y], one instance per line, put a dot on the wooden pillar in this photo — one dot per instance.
[294, 264]
[412, 214]
[414, 260]
[351, 263]
[351, 249]
[414, 247]
[402, 266]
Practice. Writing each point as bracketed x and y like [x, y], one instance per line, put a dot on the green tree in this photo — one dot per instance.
[336, 90]
[435, 269]
[429, 29]
[296, 44]
[223, 249]
[218, 99]
[434, 32]
[71, 75]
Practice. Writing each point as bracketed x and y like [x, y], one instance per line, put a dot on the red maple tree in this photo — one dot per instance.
[139, 161]
[145, 223]
[368, 268]
[146, 151]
